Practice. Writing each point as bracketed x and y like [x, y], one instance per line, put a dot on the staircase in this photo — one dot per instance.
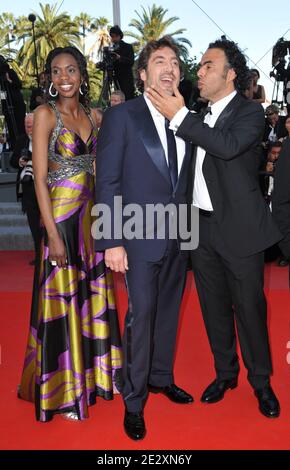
[14, 230]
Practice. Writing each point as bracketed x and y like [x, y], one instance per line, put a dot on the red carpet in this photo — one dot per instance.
[234, 423]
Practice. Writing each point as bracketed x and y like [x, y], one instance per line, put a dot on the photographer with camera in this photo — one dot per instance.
[123, 54]
[274, 126]
[12, 101]
[22, 159]
[281, 71]
[268, 184]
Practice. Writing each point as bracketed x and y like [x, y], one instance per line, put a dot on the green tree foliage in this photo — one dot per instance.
[54, 29]
[51, 30]
[151, 24]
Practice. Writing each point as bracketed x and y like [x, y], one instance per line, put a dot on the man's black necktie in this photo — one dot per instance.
[172, 154]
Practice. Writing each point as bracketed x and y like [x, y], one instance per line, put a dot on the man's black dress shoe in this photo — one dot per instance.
[268, 402]
[283, 262]
[134, 425]
[216, 390]
[174, 393]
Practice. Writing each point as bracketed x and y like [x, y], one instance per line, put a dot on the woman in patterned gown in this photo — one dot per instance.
[73, 353]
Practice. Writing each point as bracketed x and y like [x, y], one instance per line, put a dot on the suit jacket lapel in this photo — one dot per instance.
[227, 112]
[150, 138]
[220, 123]
[188, 149]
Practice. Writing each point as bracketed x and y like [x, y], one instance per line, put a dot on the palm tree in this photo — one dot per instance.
[5, 48]
[7, 22]
[84, 22]
[95, 77]
[22, 29]
[152, 25]
[7, 27]
[51, 30]
[101, 28]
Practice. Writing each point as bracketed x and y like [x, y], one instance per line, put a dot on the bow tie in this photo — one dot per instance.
[206, 111]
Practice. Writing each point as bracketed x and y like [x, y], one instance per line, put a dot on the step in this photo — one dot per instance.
[10, 208]
[16, 238]
[12, 220]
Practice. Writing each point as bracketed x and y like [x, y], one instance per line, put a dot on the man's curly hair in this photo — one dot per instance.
[236, 60]
[82, 64]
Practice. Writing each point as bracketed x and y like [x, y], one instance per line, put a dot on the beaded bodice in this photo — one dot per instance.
[69, 151]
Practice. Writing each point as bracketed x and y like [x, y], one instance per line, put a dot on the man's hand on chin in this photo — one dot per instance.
[164, 103]
[116, 259]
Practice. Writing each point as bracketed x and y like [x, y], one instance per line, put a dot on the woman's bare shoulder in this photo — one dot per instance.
[45, 113]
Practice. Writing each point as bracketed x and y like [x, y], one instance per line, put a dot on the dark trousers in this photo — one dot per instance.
[231, 289]
[126, 83]
[154, 295]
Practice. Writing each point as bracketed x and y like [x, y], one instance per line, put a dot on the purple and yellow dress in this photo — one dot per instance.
[73, 353]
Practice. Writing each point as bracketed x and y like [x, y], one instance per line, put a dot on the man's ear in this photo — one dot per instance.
[143, 75]
[231, 75]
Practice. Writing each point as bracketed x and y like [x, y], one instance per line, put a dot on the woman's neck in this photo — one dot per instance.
[71, 106]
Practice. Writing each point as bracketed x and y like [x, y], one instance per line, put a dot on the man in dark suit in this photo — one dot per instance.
[139, 159]
[12, 101]
[124, 61]
[20, 159]
[274, 125]
[281, 197]
[235, 222]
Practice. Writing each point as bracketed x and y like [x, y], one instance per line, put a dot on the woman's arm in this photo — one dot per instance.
[44, 122]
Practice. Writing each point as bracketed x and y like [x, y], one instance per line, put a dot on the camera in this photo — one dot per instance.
[280, 51]
[109, 57]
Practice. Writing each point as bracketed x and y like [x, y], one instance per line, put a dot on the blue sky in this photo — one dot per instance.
[255, 25]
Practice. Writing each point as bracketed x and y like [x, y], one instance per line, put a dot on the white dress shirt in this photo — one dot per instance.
[272, 137]
[159, 122]
[201, 196]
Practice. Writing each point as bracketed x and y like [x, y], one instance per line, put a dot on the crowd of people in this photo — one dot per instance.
[228, 161]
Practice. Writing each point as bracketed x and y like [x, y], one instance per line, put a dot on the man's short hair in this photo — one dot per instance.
[275, 144]
[116, 30]
[119, 93]
[152, 46]
[271, 109]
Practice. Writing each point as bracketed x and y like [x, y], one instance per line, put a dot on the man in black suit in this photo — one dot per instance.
[274, 125]
[139, 159]
[235, 222]
[22, 158]
[124, 61]
[12, 101]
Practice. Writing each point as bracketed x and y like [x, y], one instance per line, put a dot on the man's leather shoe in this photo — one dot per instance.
[268, 403]
[134, 425]
[174, 393]
[216, 390]
[283, 262]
